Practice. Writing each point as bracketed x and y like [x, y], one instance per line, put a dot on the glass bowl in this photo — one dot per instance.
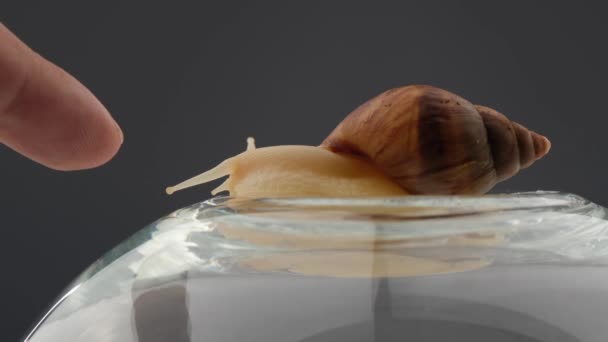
[514, 267]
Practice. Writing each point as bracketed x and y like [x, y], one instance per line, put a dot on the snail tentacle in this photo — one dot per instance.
[221, 170]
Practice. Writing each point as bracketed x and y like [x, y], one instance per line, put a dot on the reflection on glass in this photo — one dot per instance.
[522, 267]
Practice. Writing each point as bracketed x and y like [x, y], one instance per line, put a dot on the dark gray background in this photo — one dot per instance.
[189, 81]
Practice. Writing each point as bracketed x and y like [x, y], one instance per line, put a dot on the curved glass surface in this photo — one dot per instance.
[517, 267]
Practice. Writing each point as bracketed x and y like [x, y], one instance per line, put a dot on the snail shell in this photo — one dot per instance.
[431, 141]
[409, 140]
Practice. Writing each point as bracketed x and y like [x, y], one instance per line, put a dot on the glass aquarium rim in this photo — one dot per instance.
[223, 234]
[410, 207]
[386, 218]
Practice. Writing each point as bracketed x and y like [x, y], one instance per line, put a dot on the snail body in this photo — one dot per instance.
[408, 140]
[281, 171]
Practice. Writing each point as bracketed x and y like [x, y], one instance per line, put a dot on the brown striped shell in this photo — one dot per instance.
[431, 141]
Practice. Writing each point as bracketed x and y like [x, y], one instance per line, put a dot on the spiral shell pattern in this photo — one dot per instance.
[431, 141]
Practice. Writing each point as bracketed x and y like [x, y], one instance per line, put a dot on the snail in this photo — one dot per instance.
[410, 140]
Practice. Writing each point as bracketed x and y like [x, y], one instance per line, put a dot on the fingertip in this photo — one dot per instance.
[48, 116]
[93, 144]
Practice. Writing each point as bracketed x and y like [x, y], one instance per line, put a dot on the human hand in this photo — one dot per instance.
[47, 115]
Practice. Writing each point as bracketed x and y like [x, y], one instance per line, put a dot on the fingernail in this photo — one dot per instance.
[122, 137]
